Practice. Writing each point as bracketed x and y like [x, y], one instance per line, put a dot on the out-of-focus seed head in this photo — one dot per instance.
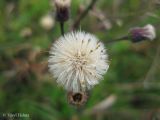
[62, 10]
[47, 22]
[142, 33]
[26, 32]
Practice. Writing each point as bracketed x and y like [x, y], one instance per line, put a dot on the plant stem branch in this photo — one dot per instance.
[117, 40]
[83, 15]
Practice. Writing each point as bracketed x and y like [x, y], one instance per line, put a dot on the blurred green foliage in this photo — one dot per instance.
[27, 87]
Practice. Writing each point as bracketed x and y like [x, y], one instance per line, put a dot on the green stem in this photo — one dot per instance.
[62, 28]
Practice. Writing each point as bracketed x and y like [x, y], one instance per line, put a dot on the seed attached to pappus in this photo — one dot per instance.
[78, 64]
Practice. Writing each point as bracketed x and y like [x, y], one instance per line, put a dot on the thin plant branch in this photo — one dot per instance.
[117, 40]
[83, 15]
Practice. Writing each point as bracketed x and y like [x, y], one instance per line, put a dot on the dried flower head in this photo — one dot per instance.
[78, 61]
[62, 9]
[143, 33]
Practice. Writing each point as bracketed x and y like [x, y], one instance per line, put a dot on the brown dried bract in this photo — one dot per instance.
[77, 99]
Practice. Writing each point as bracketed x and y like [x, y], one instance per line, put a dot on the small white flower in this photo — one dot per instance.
[78, 61]
[150, 32]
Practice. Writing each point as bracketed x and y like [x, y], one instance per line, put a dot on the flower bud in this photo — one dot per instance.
[138, 34]
[62, 10]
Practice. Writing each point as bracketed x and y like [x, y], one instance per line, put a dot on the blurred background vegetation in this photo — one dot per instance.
[133, 77]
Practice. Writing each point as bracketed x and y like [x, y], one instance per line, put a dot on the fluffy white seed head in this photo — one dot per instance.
[78, 61]
[150, 32]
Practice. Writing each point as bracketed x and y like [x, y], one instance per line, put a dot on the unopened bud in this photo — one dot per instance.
[62, 10]
[143, 33]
